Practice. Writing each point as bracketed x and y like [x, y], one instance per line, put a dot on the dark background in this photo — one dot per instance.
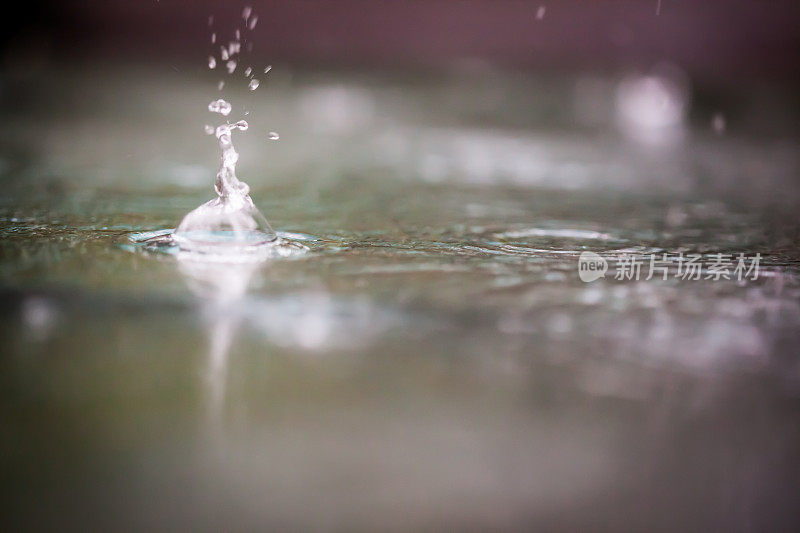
[709, 39]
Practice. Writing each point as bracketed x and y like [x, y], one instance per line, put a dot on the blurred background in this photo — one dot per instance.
[433, 361]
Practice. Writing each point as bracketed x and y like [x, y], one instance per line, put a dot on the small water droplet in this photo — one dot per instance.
[212, 63]
[246, 12]
[231, 66]
[247, 71]
[718, 123]
[213, 38]
[224, 53]
[238, 35]
[540, 12]
[253, 84]
[253, 22]
[209, 129]
[220, 85]
[220, 106]
[269, 67]
[273, 136]
[210, 20]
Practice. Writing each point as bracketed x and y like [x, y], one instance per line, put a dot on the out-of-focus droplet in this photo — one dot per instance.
[220, 85]
[212, 63]
[273, 136]
[651, 109]
[540, 12]
[209, 129]
[213, 38]
[253, 22]
[269, 67]
[223, 53]
[246, 12]
[718, 123]
[238, 35]
[253, 85]
[231, 65]
[248, 71]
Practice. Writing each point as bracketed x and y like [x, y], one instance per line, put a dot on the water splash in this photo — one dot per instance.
[229, 225]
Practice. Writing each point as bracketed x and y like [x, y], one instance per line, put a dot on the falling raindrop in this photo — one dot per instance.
[248, 71]
[253, 22]
[209, 129]
[220, 85]
[253, 85]
[246, 12]
[213, 38]
[269, 67]
[224, 53]
[212, 63]
[540, 12]
[273, 136]
[231, 65]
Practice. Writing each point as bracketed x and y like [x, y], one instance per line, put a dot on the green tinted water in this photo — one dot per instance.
[433, 360]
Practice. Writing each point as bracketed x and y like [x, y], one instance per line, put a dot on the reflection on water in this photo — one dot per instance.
[425, 356]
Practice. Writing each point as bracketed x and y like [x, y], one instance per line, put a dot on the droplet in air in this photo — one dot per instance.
[210, 20]
[212, 63]
[248, 71]
[213, 38]
[718, 123]
[209, 129]
[273, 136]
[238, 35]
[231, 66]
[253, 85]
[220, 85]
[253, 22]
[269, 67]
[223, 53]
[246, 12]
[220, 106]
[540, 12]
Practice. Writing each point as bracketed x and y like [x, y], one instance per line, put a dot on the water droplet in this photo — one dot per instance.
[212, 63]
[540, 12]
[220, 106]
[224, 53]
[210, 20]
[269, 67]
[273, 136]
[718, 123]
[231, 66]
[209, 129]
[213, 38]
[220, 85]
[238, 35]
[253, 84]
[246, 12]
[253, 22]
[247, 71]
